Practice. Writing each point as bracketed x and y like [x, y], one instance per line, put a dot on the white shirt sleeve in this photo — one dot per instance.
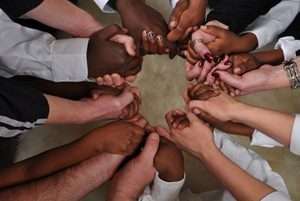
[173, 3]
[162, 190]
[25, 51]
[261, 139]
[103, 5]
[289, 45]
[295, 136]
[269, 26]
[276, 196]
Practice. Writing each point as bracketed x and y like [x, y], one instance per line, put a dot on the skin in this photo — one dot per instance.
[275, 124]
[139, 19]
[116, 138]
[202, 93]
[197, 139]
[72, 184]
[114, 58]
[186, 15]
[227, 42]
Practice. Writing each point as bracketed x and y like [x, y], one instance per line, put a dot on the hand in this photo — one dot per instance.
[224, 65]
[243, 63]
[222, 107]
[111, 103]
[226, 42]
[265, 78]
[121, 138]
[115, 80]
[185, 16]
[146, 25]
[199, 71]
[201, 92]
[196, 138]
[128, 184]
[107, 57]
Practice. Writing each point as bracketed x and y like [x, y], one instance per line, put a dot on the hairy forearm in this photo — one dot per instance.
[243, 186]
[275, 124]
[273, 57]
[69, 185]
[47, 163]
[65, 16]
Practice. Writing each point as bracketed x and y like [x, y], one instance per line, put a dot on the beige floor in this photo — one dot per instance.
[162, 82]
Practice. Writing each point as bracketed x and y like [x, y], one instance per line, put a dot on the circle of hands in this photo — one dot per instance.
[206, 49]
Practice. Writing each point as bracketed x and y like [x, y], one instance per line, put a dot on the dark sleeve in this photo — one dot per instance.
[17, 8]
[238, 14]
[21, 108]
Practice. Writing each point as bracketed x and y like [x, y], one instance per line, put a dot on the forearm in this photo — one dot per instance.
[65, 16]
[275, 124]
[47, 163]
[273, 57]
[243, 186]
[246, 43]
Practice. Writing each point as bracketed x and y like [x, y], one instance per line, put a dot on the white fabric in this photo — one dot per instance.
[268, 27]
[25, 51]
[173, 3]
[247, 160]
[103, 5]
[289, 45]
[261, 139]
[295, 136]
[162, 190]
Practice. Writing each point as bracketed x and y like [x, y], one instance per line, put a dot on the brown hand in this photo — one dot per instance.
[244, 62]
[107, 57]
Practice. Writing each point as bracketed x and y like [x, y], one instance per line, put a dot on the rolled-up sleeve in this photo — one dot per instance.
[276, 196]
[295, 136]
[261, 139]
[26, 51]
[289, 45]
[268, 27]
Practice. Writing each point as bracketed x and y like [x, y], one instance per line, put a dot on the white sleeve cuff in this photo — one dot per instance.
[262, 140]
[295, 136]
[70, 60]
[173, 3]
[276, 196]
[103, 5]
[289, 46]
[166, 191]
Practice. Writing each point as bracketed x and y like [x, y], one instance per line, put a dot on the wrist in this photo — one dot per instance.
[245, 43]
[122, 5]
[208, 154]
[237, 112]
[277, 78]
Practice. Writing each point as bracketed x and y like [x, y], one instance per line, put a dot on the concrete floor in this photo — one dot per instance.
[162, 82]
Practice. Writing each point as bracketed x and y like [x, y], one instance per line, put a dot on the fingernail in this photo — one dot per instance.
[227, 63]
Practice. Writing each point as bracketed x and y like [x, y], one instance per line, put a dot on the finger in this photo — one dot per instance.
[128, 43]
[131, 78]
[180, 7]
[146, 43]
[161, 45]
[117, 79]
[212, 30]
[108, 80]
[100, 81]
[205, 70]
[125, 99]
[164, 133]
[169, 119]
[192, 117]
[152, 42]
[230, 79]
[197, 104]
[151, 148]
[192, 52]
[186, 33]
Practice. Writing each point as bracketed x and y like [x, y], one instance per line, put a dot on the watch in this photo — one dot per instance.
[292, 71]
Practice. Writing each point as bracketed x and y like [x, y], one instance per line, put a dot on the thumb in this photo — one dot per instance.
[125, 99]
[212, 30]
[109, 32]
[192, 117]
[230, 79]
[151, 148]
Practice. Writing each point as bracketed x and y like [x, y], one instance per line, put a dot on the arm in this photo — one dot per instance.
[268, 27]
[108, 139]
[75, 21]
[273, 57]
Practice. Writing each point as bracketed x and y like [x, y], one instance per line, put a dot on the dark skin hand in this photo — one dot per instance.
[204, 92]
[244, 62]
[106, 57]
[187, 15]
[146, 25]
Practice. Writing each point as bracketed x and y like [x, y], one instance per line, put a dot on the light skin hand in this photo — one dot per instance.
[221, 107]
[194, 137]
[128, 184]
[267, 77]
